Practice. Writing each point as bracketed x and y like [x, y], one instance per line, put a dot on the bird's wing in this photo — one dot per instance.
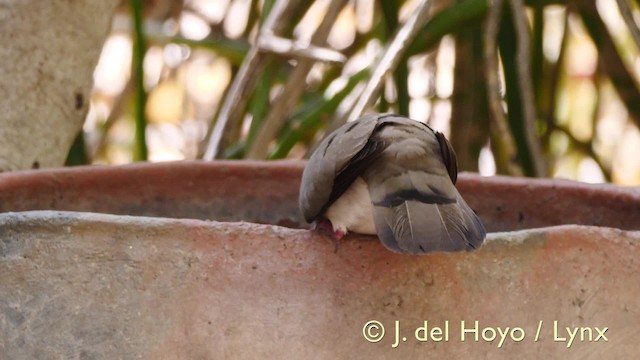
[339, 159]
[417, 208]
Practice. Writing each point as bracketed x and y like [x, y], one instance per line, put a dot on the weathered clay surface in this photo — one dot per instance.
[267, 192]
[91, 286]
[223, 191]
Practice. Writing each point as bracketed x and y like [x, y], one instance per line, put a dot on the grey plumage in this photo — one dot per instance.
[409, 170]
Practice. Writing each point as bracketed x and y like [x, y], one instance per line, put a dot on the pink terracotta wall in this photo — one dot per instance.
[267, 192]
[87, 285]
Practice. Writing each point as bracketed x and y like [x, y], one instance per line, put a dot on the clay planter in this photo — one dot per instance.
[267, 192]
[161, 284]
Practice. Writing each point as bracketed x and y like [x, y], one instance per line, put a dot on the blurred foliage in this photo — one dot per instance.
[534, 88]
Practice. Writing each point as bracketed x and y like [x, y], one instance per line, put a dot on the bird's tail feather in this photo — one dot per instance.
[417, 227]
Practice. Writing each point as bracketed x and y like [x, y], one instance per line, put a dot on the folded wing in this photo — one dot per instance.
[417, 208]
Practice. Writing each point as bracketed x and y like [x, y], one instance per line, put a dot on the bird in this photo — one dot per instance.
[390, 176]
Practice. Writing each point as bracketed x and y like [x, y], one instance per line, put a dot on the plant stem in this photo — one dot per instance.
[140, 152]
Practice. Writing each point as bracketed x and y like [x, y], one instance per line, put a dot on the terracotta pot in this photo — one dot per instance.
[87, 285]
[267, 192]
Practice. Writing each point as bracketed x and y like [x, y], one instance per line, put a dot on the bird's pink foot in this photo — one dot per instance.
[324, 225]
[338, 235]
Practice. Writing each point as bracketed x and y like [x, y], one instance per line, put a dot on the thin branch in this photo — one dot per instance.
[390, 58]
[98, 145]
[140, 152]
[554, 78]
[501, 138]
[390, 11]
[430, 33]
[235, 50]
[587, 149]
[627, 16]
[296, 49]
[469, 122]
[449, 20]
[235, 102]
[243, 84]
[609, 59]
[311, 116]
[293, 89]
[526, 87]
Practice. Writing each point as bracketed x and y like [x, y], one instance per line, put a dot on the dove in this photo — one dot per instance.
[392, 176]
